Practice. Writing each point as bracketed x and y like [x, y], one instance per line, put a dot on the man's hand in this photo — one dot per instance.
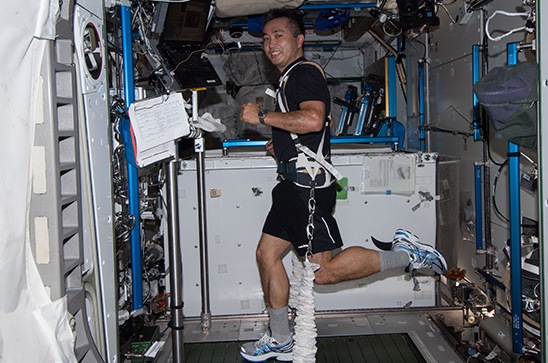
[249, 113]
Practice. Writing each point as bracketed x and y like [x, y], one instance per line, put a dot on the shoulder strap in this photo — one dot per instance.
[315, 65]
[282, 101]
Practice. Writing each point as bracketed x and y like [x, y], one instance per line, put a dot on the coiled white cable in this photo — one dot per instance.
[496, 39]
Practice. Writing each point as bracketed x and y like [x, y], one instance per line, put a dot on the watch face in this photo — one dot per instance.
[262, 114]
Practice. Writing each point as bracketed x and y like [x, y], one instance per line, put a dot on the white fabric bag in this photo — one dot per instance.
[231, 8]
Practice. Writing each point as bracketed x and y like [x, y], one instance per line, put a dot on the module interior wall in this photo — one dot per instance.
[451, 100]
[238, 199]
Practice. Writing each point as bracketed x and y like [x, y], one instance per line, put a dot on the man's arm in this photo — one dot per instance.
[310, 117]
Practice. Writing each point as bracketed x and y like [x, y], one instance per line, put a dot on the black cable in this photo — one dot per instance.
[91, 339]
[493, 194]
[486, 140]
[117, 46]
[412, 42]
[149, 292]
[329, 60]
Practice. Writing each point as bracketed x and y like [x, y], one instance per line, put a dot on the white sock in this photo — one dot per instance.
[279, 324]
[393, 259]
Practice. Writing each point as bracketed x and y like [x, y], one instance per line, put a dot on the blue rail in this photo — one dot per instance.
[475, 103]
[477, 137]
[515, 229]
[133, 180]
[392, 87]
[422, 134]
[478, 187]
[335, 140]
[396, 128]
[243, 143]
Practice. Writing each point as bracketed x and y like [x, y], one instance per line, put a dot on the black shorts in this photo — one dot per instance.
[288, 217]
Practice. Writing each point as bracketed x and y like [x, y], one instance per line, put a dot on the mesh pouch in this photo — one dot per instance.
[509, 96]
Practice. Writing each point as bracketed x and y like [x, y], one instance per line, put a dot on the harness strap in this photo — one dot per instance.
[318, 157]
[304, 154]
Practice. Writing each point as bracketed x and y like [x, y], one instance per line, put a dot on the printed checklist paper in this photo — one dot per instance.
[155, 124]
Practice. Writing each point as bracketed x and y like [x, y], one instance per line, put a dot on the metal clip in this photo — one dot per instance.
[425, 197]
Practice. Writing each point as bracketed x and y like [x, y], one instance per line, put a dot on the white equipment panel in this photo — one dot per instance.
[238, 199]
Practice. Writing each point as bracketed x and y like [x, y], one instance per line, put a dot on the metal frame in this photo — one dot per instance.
[542, 57]
[56, 211]
[422, 101]
[478, 198]
[100, 279]
[478, 166]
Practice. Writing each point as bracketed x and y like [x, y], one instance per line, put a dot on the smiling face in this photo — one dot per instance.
[280, 43]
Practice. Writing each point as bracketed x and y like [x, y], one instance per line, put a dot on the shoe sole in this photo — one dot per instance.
[282, 357]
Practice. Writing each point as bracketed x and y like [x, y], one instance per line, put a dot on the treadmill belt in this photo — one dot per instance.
[380, 348]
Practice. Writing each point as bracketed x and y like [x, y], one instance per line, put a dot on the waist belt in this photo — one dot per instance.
[301, 177]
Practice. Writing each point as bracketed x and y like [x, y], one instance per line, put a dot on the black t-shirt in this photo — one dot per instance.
[305, 83]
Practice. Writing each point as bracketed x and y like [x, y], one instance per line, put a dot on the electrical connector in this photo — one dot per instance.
[529, 181]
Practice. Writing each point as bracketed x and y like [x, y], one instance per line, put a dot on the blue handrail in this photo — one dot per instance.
[475, 102]
[515, 228]
[133, 180]
[335, 140]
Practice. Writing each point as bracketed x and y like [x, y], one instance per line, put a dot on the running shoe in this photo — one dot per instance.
[422, 256]
[266, 348]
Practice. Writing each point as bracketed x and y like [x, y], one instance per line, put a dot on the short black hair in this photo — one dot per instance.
[296, 22]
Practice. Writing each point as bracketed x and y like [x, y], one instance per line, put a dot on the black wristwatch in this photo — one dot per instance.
[262, 114]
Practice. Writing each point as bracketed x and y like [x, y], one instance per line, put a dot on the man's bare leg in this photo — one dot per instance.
[275, 283]
[351, 263]
[274, 280]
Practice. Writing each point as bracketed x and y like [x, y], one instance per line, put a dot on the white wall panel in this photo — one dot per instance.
[238, 199]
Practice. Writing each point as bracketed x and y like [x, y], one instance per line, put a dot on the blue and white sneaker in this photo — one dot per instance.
[266, 348]
[422, 256]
